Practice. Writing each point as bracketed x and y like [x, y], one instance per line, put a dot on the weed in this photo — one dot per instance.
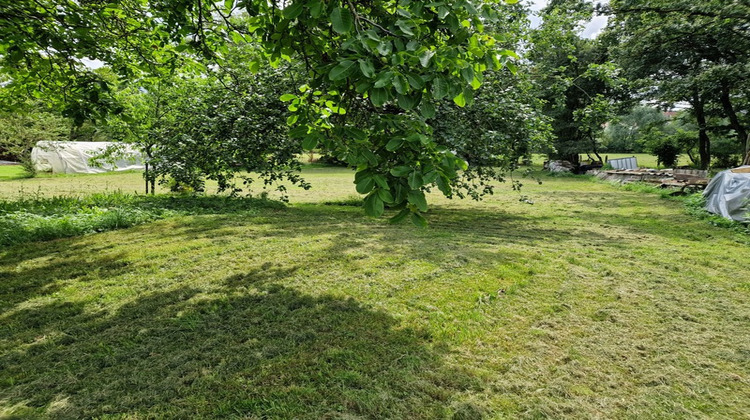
[33, 217]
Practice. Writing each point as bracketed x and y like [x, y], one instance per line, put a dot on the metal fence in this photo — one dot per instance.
[624, 163]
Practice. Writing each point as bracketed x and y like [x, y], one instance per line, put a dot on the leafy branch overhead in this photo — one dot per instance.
[373, 71]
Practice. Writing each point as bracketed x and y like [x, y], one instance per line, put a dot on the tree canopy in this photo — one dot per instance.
[682, 50]
[372, 73]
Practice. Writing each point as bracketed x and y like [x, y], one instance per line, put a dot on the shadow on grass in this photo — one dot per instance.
[257, 349]
[251, 346]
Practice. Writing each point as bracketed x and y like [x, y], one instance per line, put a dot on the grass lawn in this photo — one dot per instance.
[594, 302]
[10, 172]
[644, 160]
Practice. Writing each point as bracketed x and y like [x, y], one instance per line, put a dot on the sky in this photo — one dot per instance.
[591, 30]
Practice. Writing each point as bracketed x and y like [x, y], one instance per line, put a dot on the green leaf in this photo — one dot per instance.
[381, 181]
[394, 144]
[385, 47]
[293, 10]
[469, 96]
[316, 8]
[367, 68]
[385, 195]
[417, 198]
[424, 58]
[287, 97]
[298, 132]
[430, 177]
[378, 96]
[310, 142]
[400, 83]
[475, 84]
[427, 109]
[374, 205]
[371, 34]
[512, 67]
[509, 53]
[400, 216]
[343, 70]
[371, 158]
[415, 81]
[415, 180]
[468, 74]
[365, 185]
[363, 87]
[342, 20]
[439, 88]
[408, 102]
[443, 12]
[405, 27]
[400, 171]
[355, 133]
[444, 185]
[460, 100]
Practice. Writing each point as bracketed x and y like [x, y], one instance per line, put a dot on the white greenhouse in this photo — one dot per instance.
[83, 157]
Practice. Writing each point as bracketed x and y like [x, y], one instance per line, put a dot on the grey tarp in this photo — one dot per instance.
[728, 194]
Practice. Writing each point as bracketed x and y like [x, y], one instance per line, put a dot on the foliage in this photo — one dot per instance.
[373, 71]
[666, 151]
[214, 133]
[575, 78]
[626, 133]
[503, 127]
[726, 152]
[687, 51]
[22, 129]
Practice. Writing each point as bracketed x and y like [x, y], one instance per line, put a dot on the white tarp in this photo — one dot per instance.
[728, 194]
[75, 157]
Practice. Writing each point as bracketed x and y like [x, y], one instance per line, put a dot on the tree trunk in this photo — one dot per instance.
[704, 144]
[726, 102]
[747, 151]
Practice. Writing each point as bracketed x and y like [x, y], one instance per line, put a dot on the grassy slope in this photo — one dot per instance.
[592, 303]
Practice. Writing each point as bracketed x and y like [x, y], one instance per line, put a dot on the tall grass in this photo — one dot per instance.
[35, 218]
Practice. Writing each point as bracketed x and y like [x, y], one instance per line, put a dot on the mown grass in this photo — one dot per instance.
[595, 302]
[11, 172]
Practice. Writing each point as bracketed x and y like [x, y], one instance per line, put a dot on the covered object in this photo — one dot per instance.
[728, 194]
[84, 157]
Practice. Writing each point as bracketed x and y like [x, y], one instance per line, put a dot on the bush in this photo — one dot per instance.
[726, 152]
[667, 152]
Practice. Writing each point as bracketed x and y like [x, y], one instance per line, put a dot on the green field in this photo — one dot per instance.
[594, 302]
[10, 172]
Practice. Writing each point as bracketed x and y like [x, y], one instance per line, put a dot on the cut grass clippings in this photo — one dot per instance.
[595, 302]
